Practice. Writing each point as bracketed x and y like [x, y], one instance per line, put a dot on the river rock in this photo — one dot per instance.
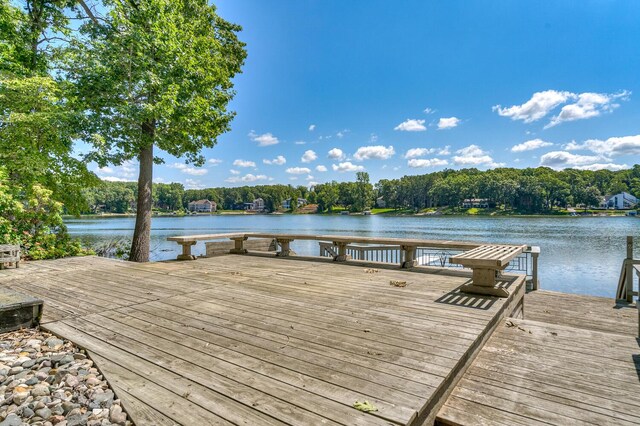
[40, 390]
[11, 420]
[45, 413]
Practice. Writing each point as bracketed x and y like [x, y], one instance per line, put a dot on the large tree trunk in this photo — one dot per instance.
[142, 233]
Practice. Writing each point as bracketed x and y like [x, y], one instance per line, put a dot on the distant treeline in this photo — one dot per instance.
[528, 190]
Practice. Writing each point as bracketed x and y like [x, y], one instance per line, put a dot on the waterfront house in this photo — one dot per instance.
[482, 203]
[286, 204]
[202, 206]
[621, 201]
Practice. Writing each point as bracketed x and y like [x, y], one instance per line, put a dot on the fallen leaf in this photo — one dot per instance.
[397, 283]
[365, 406]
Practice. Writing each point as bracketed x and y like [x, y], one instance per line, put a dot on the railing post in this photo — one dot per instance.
[239, 246]
[409, 256]
[535, 252]
[629, 269]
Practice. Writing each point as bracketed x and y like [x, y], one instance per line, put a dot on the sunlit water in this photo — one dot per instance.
[578, 254]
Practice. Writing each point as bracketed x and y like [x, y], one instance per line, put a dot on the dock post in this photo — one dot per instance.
[535, 252]
[629, 269]
[285, 249]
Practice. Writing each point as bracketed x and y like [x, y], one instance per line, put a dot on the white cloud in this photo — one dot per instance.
[244, 163]
[114, 179]
[428, 162]
[107, 170]
[312, 184]
[308, 156]
[214, 161]
[612, 147]
[278, 161]
[564, 159]
[378, 151]
[341, 133]
[247, 178]
[429, 111]
[299, 142]
[321, 168]
[530, 145]
[420, 152]
[159, 180]
[193, 184]
[346, 167]
[448, 123]
[473, 155]
[588, 105]
[540, 104]
[312, 127]
[234, 172]
[189, 170]
[309, 178]
[128, 169]
[411, 125]
[293, 178]
[265, 139]
[373, 138]
[602, 166]
[336, 154]
[298, 170]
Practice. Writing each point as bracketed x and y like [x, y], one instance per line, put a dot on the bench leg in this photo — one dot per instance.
[239, 246]
[342, 253]
[186, 251]
[285, 249]
[484, 282]
[409, 257]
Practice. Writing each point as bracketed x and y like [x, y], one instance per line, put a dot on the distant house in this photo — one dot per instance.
[381, 203]
[480, 203]
[286, 204]
[620, 201]
[256, 205]
[202, 206]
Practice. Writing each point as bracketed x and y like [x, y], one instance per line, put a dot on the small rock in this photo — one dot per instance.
[79, 355]
[117, 416]
[20, 397]
[40, 390]
[76, 420]
[28, 364]
[56, 420]
[11, 420]
[15, 370]
[54, 344]
[66, 359]
[27, 412]
[45, 413]
[32, 381]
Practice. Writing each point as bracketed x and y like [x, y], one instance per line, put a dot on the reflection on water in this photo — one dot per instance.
[579, 255]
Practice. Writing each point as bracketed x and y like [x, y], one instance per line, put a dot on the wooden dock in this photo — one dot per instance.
[256, 339]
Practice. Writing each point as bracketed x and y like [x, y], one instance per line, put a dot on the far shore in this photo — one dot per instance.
[383, 212]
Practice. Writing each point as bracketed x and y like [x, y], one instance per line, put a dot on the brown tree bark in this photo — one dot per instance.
[142, 233]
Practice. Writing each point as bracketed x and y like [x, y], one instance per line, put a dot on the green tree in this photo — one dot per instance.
[364, 192]
[157, 74]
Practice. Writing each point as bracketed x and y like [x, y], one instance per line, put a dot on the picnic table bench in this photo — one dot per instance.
[486, 262]
[9, 253]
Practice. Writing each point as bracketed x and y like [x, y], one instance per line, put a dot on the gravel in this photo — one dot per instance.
[47, 381]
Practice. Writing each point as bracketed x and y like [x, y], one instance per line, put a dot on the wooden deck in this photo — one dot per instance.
[572, 360]
[260, 340]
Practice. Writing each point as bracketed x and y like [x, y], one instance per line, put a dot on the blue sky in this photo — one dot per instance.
[401, 88]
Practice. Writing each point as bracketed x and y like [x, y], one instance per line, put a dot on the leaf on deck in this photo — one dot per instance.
[365, 406]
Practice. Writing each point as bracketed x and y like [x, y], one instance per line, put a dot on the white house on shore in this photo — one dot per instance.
[286, 204]
[621, 201]
[482, 203]
[202, 206]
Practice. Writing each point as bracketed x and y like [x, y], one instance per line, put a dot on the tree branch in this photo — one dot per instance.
[88, 11]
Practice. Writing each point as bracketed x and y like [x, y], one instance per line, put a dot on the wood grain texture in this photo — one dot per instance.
[262, 340]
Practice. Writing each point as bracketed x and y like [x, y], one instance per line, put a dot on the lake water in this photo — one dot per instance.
[578, 254]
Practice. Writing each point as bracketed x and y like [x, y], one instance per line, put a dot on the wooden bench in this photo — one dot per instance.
[217, 248]
[486, 262]
[9, 253]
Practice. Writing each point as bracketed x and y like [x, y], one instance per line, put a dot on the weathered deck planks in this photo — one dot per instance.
[572, 360]
[260, 340]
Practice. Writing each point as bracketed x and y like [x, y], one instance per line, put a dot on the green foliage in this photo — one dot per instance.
[33, 220]
[166, 65]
